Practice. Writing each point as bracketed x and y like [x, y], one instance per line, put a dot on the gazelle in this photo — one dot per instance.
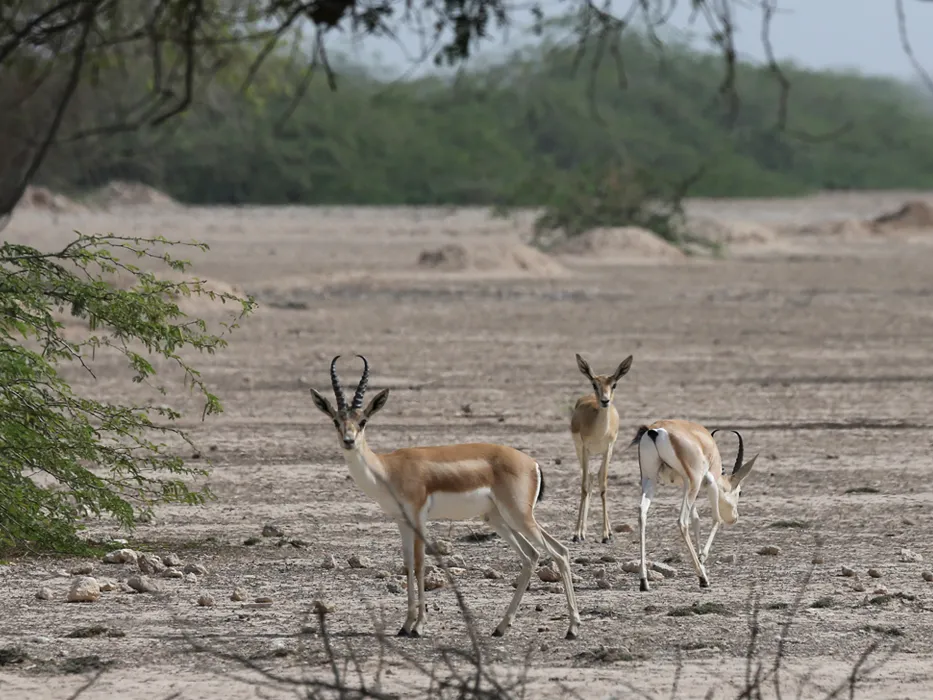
[452, 482]
[594, 426]
[685, 453]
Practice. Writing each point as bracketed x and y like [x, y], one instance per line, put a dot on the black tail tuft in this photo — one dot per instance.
[540, 485]
[642, 429]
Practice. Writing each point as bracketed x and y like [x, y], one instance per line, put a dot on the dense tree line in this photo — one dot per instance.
[516, 131]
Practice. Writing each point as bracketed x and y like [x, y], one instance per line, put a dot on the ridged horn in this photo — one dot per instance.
[361, 388]
[741, 454]
[338, 390]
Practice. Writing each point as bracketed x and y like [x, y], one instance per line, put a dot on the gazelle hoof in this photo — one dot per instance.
[414, 633]
[644, 585]
[577, 538]
[704, 582]
[570, 634]
[497, 633]
[403, 633]
[606, 539]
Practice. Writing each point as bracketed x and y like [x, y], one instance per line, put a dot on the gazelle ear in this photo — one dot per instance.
[622, 369]
[379, 400]
[322, 404]
[743, 471]
[584, 367]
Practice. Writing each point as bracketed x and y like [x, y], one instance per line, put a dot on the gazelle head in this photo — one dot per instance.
[350, 421]
[732, 484]
[604, 385]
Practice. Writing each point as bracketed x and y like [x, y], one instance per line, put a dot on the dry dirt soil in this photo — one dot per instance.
[817, 347]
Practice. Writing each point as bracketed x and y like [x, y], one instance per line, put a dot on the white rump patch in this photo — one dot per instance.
[463, 505]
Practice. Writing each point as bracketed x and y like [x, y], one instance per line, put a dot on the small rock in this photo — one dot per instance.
[769, 550]
[108, 584]
[726, 559]
[84, 590]
[848, 572]
[603, 584]
[191, 578]
[910, 557]
[206, 601]
[329, 562]
[150, 564]
[858, 587]
[272, 531]
[582, 561]
[443, 548]
[172, 573]
[539, 608]
[632, 566]
[321, 607]
[548, 574]
[263, 599]
[171, 561]
[143, 584]
[393, 587]
[927, 575]
[491, 573]
[82, 569]
[623, 528]
[456, 571]
[195, 569]
[238, 595]
[252, 540]
[817, 559]
[433, 581]
[356, 562]
[120, 556]
[297, 543]
[456, 561]
[654, 575]
[608, 559]
[554, 588]
[599, 573]
[881, 590]
[874, 573]
[383, 574]
[665, 570]
[44, 593]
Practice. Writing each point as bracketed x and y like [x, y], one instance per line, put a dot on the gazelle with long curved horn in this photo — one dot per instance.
[594, 426]
[451, 482]
[684, 453]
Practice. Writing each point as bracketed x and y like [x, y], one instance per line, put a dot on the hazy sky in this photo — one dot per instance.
[859, 34]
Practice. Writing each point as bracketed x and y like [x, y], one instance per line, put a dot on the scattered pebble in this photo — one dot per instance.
[84, 590]
[120, 556]
[632, 566]
[654, 575]
[818, 559]
[195, 569]
[383, 574]
[238, 595]
[108, 584]
[297, 543]
[321, 607]
[848, 572]
[82, 569]
[443, 547]
[143, 584]
[393, 587]
[599, 573]
[271, 530]
[44, 593]
[603, 584]
[927, 575]
[191, 578]
[456, 561]
[171, 560]
[434, 580]
[329, 562]
[874, 573]
[539, 608]
[150, 564]
[173, 573]
[549, 574]
[357, 562]
[909, 556]
[250, 541]
[769, 550]
[206, 601]
[623, 528]
[263, 599]
[665, 570]
[583, 561]
[491, 573]
[881, 590]
[608, 558]
[858, 587]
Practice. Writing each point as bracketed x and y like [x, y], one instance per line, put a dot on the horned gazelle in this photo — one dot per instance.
[594, 426]
[449, 482]
[685, 453]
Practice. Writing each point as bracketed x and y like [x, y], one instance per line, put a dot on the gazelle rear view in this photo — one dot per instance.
[685, 453]
[450, 482]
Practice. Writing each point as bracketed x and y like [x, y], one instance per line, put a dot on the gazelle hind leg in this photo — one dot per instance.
[686, 507]
[603, 487]
[529, 556]
[583, 513]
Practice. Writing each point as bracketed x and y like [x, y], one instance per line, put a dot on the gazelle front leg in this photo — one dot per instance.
[420, 623]
[712, 494]
[647, 493]
[603, 486]
[408, 553]
[583, 513]
[686, 507]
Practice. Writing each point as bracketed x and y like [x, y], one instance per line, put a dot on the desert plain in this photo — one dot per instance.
[811, 331]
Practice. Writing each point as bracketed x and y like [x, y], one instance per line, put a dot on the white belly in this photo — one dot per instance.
[465, 505]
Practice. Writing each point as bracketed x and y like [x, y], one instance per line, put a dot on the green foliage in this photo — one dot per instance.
[521, 132]
[63, 454]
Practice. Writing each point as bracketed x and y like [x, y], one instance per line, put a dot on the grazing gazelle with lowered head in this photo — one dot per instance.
[451, 482]
[684, 453]
[594, 426]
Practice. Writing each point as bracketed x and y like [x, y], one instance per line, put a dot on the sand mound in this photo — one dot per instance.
[622, 242]
[43, 199]
[913, 214]
[731, 232]
[194, 304]
[118, 193]
[845, 228]
[489, 256]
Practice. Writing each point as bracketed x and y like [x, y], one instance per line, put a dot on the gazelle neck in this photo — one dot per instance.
[602, 417]
[366, 468]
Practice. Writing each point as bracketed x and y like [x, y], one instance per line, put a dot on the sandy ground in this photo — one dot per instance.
[816, 347]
